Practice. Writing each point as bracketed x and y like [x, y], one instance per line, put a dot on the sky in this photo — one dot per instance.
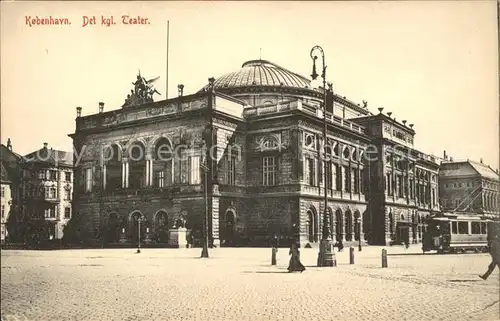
[432, 63]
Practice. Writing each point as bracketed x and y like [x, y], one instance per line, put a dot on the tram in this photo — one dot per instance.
[454, 233]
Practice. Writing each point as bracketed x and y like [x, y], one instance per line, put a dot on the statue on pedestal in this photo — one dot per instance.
[142, 93]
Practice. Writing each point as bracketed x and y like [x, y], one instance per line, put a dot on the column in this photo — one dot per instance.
[124, 173]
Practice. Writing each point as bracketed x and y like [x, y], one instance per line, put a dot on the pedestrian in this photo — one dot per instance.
[340, 245]
[275, 242]
[495, 256]
[295, 265]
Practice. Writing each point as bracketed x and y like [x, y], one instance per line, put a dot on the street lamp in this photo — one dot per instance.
[205, 167]
[325, 255]
[139, 219]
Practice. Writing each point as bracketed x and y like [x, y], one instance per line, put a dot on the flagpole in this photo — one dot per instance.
[168, 35]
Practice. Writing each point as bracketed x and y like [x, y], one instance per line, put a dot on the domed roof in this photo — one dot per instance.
[261, 73]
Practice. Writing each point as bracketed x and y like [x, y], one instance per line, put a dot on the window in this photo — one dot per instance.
[47, 192]
[230, 169]
[53, 192]
[411, 188]
[67, 195]
[268, 170]
[338, 177]
[389, 183]
[183, 164]
[160, 179]
[454, 227]
[483, 228]
[347, 179]
[329, 177]
[67, 176]
[3, 191]
[42, 174]
[3, 211]
[475, 227]
[67, 212]
[50, 213]
[53, 175]
[88, 180]
[355, 174]
[194, 177]
[457, 203]
[463, 227]
[310, 171]
[400, 185]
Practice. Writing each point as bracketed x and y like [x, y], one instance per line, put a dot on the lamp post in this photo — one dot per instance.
[325, 255]
[139, 220]
[204, 167]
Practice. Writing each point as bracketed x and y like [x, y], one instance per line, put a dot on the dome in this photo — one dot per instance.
[261, 73]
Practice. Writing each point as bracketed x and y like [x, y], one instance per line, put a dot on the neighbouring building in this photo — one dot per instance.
[263, 125]
[11, 188]
[47, 187]
[468, 186]
[6, 200]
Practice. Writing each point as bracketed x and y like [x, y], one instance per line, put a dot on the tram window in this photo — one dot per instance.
[463, 227]
[475, 228]
[454, 227]
[483, 228]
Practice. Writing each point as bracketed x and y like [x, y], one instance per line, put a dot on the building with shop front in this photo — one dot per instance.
[47, 187]
[256, 134]
[468, 186]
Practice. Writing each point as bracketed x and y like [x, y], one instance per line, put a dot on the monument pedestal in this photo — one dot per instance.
[178, 238]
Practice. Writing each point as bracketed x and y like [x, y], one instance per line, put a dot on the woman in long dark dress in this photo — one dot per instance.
[295, 265]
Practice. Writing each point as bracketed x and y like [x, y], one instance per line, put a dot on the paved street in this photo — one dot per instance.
[240, 284]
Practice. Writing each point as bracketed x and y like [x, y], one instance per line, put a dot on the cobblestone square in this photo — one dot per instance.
[240, 284]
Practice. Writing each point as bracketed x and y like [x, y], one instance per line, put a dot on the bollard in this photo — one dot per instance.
[351, 255]
[273, 256]
[384, 258]
[359, 247]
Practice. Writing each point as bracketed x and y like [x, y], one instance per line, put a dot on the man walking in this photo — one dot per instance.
[495, 256]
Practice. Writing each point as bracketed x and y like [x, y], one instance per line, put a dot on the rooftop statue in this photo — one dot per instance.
[142, 93]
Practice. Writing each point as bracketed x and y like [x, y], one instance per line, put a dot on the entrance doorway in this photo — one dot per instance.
[230, 222]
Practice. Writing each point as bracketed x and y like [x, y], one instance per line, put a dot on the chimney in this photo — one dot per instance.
[180, 89]
[101, 107]
[9, 144]
[481, 160]
[444, 155]
[451, 159]
[45, 145]
[78, 112]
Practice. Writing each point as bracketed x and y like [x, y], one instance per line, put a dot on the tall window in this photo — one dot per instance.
[389, 183]
[67, 176]
[184, 167]
[53, 192]
[3, 191]
[88, 179]
[47, 192]
[310, 171]
[338, 177]
[3, 211]
[230, 168]
[411, 188]
[194, 177]
[355, 174]
[269, 170]
[50, 212]
[160, 179]
[67, 195]
[67, 212]
[400, 185]
[329, 176]
[53, 175]
[347, 179]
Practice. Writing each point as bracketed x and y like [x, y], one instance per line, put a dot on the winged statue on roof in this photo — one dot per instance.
[143, 91]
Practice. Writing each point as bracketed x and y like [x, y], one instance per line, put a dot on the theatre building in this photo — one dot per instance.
[257, 135]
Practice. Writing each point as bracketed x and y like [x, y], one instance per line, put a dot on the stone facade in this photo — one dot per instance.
[251, 160]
